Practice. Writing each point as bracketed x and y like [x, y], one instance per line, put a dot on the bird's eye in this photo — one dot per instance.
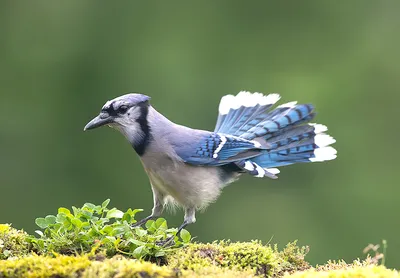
[122, 109]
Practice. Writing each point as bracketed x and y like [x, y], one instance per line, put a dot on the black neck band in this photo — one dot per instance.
[141, 145]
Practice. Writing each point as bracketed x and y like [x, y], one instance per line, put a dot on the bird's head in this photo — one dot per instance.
[127, 113]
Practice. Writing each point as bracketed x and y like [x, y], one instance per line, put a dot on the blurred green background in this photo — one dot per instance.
[61, 60]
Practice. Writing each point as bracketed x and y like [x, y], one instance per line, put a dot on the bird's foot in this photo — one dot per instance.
[169, 241]
[143, 221]
[137, 224]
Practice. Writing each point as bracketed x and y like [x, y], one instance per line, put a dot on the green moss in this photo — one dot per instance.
[290, 259]
[254, 256]
[87, 267]
[120, 266]
[40, 266]
[262, 260]
[371, 271]
[13, 242]
[218, 259]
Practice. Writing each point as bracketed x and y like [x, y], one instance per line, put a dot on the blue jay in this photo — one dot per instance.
[189, 167]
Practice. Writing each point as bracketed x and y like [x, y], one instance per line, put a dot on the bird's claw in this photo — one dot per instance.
[166, 242]
[137, 224]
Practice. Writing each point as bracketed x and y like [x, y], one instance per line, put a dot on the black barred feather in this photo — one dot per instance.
[283, 132]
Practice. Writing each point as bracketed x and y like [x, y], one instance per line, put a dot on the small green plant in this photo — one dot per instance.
[98, 229]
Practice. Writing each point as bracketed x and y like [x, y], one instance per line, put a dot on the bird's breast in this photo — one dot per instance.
[188, 185]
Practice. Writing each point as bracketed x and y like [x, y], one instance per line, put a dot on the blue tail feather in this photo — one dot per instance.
[237, 111]
[283, 132]
[280, 120]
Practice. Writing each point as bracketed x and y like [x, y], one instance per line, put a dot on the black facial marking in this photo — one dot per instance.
[110, 110]
[115, 111]
[140, 146]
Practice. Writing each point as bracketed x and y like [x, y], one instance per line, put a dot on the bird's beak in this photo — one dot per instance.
[100, 120]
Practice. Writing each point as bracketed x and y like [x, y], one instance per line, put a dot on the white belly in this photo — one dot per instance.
[189, 186]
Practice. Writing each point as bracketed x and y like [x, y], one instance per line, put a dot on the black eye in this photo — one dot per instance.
[122, 109]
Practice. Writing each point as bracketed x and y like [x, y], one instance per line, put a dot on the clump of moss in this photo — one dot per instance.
[86, 266]
[370, 271]
[342, 265]
[41, 266]
[291, 259]
[254, 256]
[13, 242]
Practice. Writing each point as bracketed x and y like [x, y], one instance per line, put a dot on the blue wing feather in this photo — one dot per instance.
[217, 149]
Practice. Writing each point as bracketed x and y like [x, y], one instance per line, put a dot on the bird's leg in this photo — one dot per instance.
[190, 217]
[157, 210]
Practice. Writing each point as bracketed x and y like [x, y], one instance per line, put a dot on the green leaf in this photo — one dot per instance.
[141, 232]
[86, 214]
[41, 222]
[185, 235]
[116, 242]
[106, 230]
[75, 210]
[135, 211]
[89, 206]
[161, 223]
[117, 231]
[159, 254]
[127, 217]
[172, 230]
[61, 218]
[6, 253]
[98, 209]
[64, 210]
[149, 223]
[136, 242]
[105, 203]
[50, 219]
[76, 222]
[114, 213]
[137, 253]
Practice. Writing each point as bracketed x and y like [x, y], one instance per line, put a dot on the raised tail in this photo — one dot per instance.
[283, 131]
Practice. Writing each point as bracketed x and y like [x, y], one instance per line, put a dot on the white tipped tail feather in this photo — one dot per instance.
[323, 154]
[288, 105]
[245, 99]
[321, 150]
[259, 171]
[318, 128]
[323, 140]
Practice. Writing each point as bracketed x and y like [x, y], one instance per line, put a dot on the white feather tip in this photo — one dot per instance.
[318, 128]
[323, 140]
[246, 99]
[324, 154]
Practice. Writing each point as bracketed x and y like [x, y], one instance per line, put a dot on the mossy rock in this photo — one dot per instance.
[261, 260]
[218, 259]
[372, 271]
[13, 242]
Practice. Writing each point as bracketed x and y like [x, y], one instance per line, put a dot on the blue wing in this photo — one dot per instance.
[217, 149]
